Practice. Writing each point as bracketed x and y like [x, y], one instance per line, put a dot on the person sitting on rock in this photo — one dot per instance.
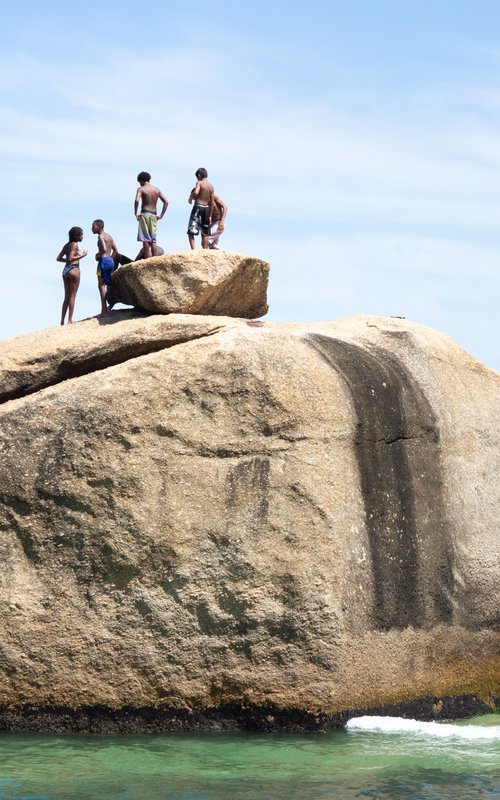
[219, 212]
[141, 254]
[121, 260]
[148, 218]
[199, 219]
[105, 257]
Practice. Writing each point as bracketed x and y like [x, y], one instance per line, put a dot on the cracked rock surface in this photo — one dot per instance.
[197, 511]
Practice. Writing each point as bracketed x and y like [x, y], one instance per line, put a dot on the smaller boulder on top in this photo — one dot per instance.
[199, 282]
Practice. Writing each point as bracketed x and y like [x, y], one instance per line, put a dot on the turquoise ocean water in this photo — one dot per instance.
[373, 758]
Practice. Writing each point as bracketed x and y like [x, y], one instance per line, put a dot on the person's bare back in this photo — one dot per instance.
[106, 245]
[203, 193]
[149, 196]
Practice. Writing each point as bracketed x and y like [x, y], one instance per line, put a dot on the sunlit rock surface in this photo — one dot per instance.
[194, 282]
[198, 511]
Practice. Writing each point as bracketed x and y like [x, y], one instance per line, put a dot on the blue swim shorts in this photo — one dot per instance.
[105, 267]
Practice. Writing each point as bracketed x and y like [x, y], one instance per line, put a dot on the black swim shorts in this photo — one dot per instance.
[199, 219]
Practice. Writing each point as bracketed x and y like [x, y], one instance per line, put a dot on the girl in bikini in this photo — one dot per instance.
[70, 255]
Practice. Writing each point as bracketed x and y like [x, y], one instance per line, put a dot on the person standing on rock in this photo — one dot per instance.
[70, 255]
[203, 197]
[217, 219]
[105, 257]
[148, 197]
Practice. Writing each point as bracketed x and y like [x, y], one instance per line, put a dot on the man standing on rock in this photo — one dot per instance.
[148, 217]
[199, 219]
[105, 257]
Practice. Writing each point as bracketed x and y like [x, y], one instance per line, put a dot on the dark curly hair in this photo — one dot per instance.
[73, 233]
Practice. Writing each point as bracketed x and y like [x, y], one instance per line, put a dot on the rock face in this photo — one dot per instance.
[201, 513]
[197, 282]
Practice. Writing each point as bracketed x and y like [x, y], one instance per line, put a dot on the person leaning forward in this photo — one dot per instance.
[148, 217]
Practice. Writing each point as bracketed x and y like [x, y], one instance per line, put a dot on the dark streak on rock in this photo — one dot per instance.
[248, 488]
[398, 455]
[228, 717]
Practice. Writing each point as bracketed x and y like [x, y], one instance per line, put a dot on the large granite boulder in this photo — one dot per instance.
[195, 282]
[206, 516]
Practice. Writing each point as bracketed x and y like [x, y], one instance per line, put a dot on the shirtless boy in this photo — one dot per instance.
[148, 218]
[199, 219]
[105, 257]
[70, 255]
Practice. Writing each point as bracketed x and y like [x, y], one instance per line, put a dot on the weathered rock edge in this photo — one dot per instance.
[36, 361]
[226, 718]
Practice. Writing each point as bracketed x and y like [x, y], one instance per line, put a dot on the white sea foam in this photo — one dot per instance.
[442, 729]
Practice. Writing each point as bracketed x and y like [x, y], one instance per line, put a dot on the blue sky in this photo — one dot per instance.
[356, 143]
